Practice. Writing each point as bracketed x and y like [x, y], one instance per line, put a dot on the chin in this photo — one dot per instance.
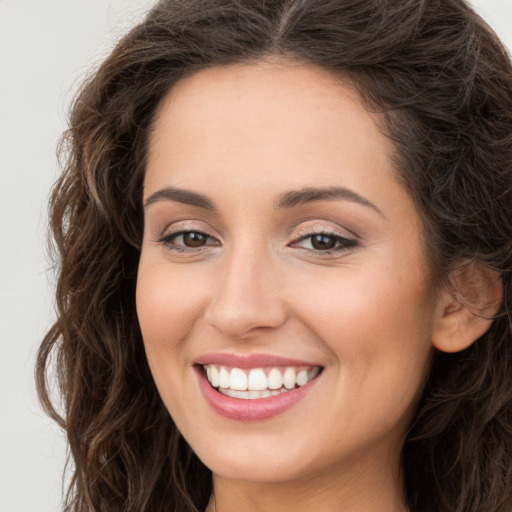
[256, 468]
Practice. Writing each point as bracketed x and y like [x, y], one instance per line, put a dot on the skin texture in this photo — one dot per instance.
[243, 136]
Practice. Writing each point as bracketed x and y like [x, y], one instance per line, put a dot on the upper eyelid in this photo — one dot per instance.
[183, 226]
[322, 230]
[182, 231]
[193, 225]
[326, 233]
[304, 233]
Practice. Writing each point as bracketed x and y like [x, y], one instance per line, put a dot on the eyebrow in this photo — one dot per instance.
[286, 200]
[312, 194]
[180, 196]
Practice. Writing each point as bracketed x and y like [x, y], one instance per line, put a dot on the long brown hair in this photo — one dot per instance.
[444, 82]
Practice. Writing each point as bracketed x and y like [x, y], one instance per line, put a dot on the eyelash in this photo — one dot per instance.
[341, 243]
[168, 240]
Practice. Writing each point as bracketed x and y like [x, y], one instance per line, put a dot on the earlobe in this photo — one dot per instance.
[465, 313]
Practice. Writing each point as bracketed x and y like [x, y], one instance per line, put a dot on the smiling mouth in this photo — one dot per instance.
[257, 383]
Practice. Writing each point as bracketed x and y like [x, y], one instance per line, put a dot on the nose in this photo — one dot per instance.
[248, 297]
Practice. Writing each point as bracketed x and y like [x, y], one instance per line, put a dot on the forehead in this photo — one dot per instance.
[278, 81]
[289, 124]
[289, 91]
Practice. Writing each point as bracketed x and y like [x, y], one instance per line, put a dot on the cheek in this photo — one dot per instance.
[167, 307]
[166, 303]
[378, 327]
[368, 303]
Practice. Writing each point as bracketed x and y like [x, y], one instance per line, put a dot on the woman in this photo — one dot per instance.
[285, 281]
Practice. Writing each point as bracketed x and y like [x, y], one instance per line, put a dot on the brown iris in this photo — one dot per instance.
[323, 242]
[194, 239]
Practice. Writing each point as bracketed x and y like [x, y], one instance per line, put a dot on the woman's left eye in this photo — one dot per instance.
[324, 242]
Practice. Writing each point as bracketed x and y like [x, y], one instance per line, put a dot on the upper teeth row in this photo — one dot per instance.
[257, 379]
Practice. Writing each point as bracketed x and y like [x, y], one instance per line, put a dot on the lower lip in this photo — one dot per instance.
[255, 409]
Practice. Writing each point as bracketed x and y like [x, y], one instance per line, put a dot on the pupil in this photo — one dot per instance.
[194, 239]
[323, 242]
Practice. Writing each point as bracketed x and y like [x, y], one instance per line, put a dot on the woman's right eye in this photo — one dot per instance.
[186, 240]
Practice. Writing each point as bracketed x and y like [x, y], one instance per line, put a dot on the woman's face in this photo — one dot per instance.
[281, 253]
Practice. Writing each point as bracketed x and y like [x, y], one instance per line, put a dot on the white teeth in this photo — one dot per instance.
[275, 379]
[214, 376]
[256, 383]
[257, 380]
[302, 378]
[238, 379]
[289, 378]
[223, 378]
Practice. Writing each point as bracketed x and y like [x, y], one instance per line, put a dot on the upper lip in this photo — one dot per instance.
[250, 360]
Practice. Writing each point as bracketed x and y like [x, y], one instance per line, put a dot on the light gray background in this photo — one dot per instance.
[46, 48]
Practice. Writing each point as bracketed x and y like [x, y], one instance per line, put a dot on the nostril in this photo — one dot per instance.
[245, 320]
[246, 298]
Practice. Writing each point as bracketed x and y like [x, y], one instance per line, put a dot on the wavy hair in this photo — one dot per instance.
[444, 83]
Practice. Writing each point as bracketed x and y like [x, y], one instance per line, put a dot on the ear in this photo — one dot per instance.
[466, 310]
